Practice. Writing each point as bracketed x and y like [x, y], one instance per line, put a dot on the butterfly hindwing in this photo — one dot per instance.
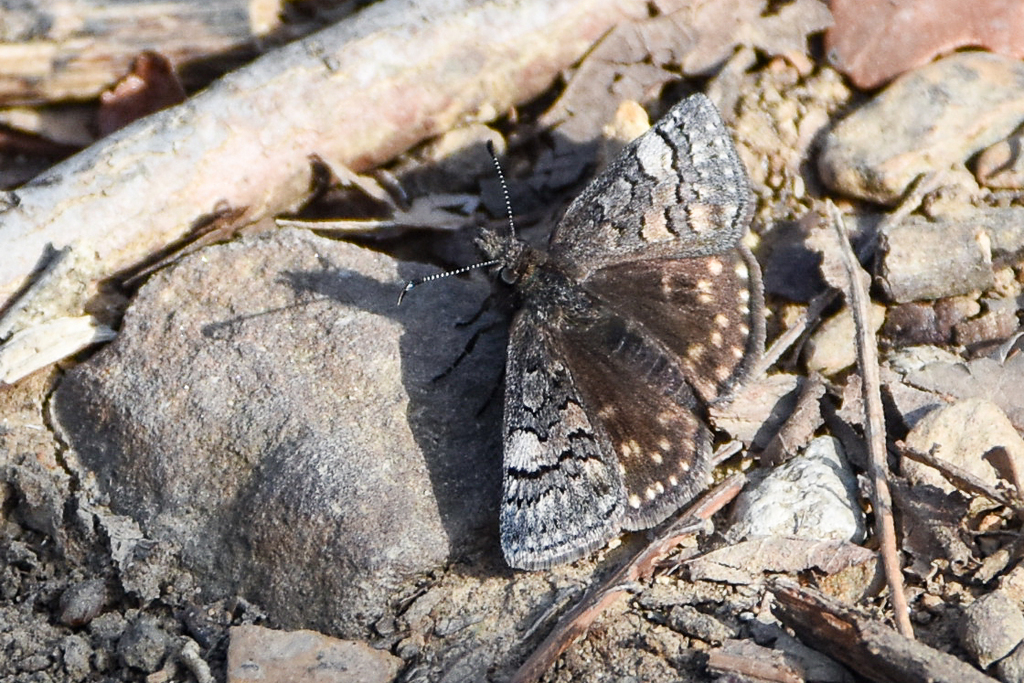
[707, 310]
[636, 393]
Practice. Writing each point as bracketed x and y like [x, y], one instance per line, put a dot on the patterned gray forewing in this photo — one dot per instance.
[645, 310]
[678, 190]
[563, 494]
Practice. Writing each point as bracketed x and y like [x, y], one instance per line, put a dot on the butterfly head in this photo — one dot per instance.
[517, 261]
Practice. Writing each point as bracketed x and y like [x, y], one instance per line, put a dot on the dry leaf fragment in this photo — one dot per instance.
[984, 378]
[930, 528]
[151, 85]
[800, 426]
[759, 408]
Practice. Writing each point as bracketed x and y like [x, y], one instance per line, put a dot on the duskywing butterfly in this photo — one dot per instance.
[644, 310]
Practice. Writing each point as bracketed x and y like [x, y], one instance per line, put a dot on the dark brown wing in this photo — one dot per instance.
[708, 311]
[634, 390]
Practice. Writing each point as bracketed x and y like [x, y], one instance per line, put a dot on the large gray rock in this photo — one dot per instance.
[270, 413]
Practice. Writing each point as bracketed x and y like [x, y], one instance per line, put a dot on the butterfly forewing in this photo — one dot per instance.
[678, 190]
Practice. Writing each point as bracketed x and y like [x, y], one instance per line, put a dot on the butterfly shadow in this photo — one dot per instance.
[452, 353]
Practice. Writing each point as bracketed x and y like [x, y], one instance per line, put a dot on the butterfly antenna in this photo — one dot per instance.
[437, 276]
[504, 188]
[486, 264]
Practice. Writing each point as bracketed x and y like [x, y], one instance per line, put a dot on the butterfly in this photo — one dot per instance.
[644, 309]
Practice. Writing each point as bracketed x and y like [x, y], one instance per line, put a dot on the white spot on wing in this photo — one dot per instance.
[523, 450]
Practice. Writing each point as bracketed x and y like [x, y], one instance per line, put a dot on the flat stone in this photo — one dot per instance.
[924, 259]
[830, 350]
[268, 656]
[269, 412]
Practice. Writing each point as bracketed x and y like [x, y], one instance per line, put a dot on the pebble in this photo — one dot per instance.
[814, 495]
[927, 120]
[992, 627]
[82, 602]
[144, 645]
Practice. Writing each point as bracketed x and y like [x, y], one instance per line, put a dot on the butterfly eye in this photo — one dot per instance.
[509, 276]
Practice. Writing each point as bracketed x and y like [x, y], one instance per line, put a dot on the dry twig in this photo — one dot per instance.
[874, 424]
[961, 478]
[245, 142]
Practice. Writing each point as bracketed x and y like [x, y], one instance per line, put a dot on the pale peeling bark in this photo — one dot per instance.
[356, 94]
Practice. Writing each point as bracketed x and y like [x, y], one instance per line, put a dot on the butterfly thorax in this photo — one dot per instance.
[540, 282]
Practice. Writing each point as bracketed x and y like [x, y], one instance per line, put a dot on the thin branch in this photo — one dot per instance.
[874, 424]
[874, 651]
[809, 317]
[961, 478]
